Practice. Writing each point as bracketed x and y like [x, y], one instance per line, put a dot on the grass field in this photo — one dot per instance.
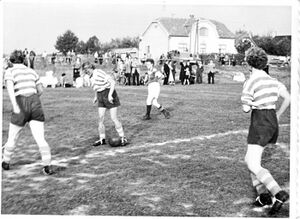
[189, 165]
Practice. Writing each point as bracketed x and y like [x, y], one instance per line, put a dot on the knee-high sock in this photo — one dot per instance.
[266, 178]
[119, 129]
[148, 110]
[260, 187]
[101, 130]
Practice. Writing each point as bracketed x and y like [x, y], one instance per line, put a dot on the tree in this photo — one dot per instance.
[93, 44]
[66, 42]
[243, 45]
[81, 47]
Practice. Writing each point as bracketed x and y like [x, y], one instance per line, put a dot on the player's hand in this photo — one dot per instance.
[110, 99]
[16, 109]
[95, 100]
[278, 117]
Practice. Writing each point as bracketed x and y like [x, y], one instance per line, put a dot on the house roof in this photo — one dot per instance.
[182, 26]
[175, 26]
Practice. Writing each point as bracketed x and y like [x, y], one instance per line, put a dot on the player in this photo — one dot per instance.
[107, 98]
[24, 89]
[260, 94]
[153, 80]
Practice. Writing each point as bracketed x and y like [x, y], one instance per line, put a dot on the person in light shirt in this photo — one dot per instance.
[107, 98]
[260, 94]
[24, 89]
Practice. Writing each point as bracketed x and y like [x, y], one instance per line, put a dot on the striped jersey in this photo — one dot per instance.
[153, 75]
[25, 79]
[262, 90]
[101, 80]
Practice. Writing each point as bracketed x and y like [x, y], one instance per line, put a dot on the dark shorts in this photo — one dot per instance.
[31, 109]
[263, 128]
[102, 98]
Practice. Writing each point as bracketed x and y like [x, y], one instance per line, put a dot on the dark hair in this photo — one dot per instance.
[150, 60]
[256, 57]
[16, 57]
[88, 64]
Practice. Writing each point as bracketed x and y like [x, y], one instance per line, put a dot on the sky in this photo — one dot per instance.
[36, 24]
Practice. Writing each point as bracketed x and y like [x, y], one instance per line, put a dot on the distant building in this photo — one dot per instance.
[186, 36]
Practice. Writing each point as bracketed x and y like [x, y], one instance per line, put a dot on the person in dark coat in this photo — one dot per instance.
[166, 71]
[182, 72]
[199, 72]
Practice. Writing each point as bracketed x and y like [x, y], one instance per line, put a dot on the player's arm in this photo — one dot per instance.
[12, 97]
[111, 89]
[286, 101]
[39, 88]
[247, 98]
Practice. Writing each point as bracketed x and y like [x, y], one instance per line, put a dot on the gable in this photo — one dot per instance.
[155, 25]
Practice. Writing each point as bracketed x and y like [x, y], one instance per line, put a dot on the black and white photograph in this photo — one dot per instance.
[150, 108]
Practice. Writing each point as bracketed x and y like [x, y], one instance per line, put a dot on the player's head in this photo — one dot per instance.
[16, 57]
[257, 58]
[87, 67]
[149, 63]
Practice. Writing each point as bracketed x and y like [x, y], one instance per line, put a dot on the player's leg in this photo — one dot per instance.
[37, 130]
[13, 135]
[118, 125]
[155, 103]
[149, 100]
[253, 160]
[101, 127]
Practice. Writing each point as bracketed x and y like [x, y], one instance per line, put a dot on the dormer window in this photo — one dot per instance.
[203, 31]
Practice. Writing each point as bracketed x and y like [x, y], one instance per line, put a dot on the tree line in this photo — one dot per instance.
[279, 46]
[68, 41]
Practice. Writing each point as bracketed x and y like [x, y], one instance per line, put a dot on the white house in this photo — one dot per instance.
[167, 34]
[209, 36]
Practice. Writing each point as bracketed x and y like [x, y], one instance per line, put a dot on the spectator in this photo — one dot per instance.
[128, 70]
[171, 77]
[135, 72]
[187, 70]
[173, 70]
[44, 59]
[182, 72]
[211, 72]
[166, 72]
[199, 71]
[76, 70]
[62, 80]
[31, 59]
[53, 57]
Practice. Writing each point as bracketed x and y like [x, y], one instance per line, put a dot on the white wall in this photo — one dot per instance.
[155, 37]
[230, 48]
[212, 40]
[176, 42]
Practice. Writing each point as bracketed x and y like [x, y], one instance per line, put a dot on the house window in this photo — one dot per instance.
[182, 47]
[222, 48]
[202, 48]
[203, 31]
